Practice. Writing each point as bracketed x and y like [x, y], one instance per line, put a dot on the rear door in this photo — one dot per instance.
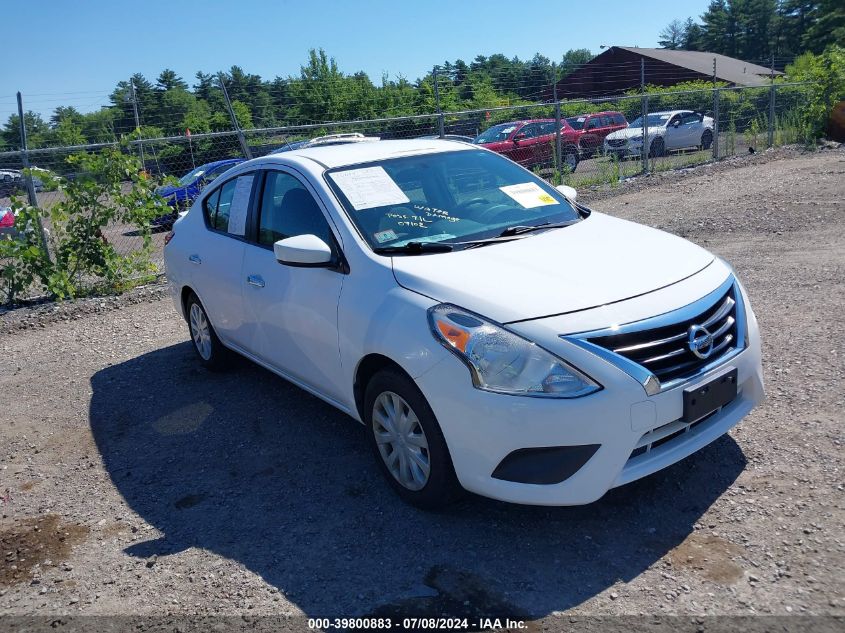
[292, 311]
[216, 257]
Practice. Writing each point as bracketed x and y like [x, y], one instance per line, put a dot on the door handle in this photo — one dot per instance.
[255, 280]
[195, 259]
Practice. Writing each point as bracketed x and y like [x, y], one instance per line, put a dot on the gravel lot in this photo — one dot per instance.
[137, 483]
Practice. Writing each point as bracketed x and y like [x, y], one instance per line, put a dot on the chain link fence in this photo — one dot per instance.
[576, 142]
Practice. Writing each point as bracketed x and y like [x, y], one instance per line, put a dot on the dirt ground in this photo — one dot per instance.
[134, 482]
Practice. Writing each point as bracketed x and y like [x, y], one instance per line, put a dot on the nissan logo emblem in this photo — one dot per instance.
[700, 341]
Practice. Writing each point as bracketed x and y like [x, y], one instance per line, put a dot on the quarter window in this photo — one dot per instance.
[226, 208]
[288, 209]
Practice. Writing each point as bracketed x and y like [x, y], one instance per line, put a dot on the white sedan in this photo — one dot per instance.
[489, 332]
[667, 131]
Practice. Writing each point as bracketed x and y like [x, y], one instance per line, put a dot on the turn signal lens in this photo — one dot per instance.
[455, 335]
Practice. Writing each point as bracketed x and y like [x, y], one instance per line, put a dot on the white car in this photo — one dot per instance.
[667, 131]
[489, 332]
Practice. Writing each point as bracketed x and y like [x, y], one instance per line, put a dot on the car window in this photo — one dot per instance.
[606, 120]
[689, 117]
[226, 208]
[288, 209]
[619, 119]
[593, 123]
[547, 128]
[529, 131]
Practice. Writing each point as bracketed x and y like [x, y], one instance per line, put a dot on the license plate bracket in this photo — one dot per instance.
[704, 399]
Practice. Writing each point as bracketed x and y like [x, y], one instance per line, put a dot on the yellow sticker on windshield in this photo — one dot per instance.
[528, 195]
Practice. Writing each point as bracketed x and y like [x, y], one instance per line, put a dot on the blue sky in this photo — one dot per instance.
[75, 52]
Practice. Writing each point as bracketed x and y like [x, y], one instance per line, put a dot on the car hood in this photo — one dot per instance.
[630, 132]
[597, 261]
[496, 146]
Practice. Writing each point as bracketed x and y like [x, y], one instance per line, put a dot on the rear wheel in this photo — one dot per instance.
[407, 441]
[706, 139]
[212, 353]
[570, 158]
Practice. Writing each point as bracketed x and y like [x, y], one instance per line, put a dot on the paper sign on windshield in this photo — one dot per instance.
[240, 203]
[529, 195]
[369, 187]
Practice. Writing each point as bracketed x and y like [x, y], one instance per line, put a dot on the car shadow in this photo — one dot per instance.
[247, 466]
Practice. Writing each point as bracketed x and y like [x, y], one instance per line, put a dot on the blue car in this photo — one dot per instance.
[190, 185]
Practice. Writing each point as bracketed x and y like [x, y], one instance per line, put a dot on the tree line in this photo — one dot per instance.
[760, 30]
[321, 92]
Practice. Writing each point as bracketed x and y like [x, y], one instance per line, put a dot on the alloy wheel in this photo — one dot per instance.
[401, 440]
[200, 331]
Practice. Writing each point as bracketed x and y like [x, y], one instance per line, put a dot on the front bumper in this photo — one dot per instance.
[482, 428]
[629, 149]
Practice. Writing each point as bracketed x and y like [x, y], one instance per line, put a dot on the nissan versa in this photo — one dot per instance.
[491, 333]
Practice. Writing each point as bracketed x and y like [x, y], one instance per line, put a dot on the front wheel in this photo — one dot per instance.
[408, 443]
[570, 158]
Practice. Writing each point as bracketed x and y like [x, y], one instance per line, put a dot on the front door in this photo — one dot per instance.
[292, 310]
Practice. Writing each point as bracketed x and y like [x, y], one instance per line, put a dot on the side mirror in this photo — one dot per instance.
[305, 251]
[518, 137]
[568, 191]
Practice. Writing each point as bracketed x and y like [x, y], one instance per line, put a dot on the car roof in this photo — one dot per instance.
[670, 112]
[225, 161]
[330, 156]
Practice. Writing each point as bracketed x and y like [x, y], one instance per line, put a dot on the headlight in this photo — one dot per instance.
[502, 362]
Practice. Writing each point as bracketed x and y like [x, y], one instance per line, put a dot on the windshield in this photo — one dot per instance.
[496, 133]
[447, 197]
[654, 120]
[577, 122]
[190, 177]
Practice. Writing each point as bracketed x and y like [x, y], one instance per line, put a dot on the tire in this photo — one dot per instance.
[706, 139]
[657, 148]
[212, 353]
[571, 158]
[422, 442]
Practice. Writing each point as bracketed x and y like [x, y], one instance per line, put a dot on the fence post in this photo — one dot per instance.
[716, 94]
[235, 124]
[771, 139]
[558, 142]
[137, 123]
[440, 122]
[30, 187]
[645, 149]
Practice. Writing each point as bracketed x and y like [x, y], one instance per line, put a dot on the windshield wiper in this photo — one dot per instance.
[519, 228]
[415, 248]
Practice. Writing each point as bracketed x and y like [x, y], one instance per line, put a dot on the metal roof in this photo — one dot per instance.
[734, 71]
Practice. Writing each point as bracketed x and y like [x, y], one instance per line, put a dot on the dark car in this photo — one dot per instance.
[529, 143]
[182, 195]
[590, 130]
[11, 182]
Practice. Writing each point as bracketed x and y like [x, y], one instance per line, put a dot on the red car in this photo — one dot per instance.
[589, 130]
[530, 142]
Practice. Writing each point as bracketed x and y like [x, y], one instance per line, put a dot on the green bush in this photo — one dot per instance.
[827, 74]
[109, 189]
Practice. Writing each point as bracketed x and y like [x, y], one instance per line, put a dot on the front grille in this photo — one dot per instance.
[617, 142]
[665, 351]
